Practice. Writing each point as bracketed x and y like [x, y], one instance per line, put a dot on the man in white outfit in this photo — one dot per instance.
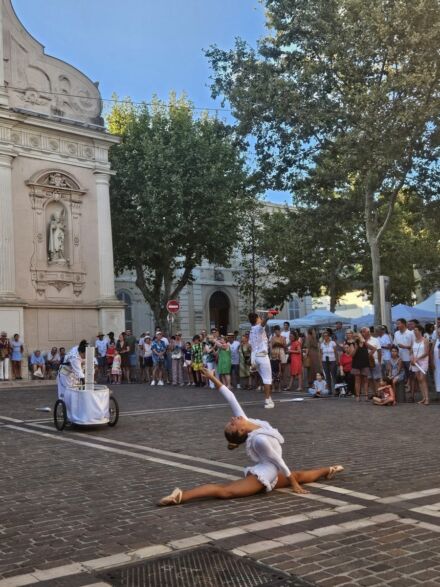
[260, 354]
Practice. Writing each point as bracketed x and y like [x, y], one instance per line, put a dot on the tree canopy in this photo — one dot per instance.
[342, 97]
[180, 188]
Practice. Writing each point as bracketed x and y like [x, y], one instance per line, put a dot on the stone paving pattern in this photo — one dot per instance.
[63, 503]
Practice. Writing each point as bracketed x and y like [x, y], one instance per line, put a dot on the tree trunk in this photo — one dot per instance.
[375, 266]
[333, 297]
[372, 232]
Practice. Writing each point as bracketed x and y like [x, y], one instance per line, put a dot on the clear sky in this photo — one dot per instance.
[138, 48]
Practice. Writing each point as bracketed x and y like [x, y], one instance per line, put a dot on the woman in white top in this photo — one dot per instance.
[329, 358]
[263, 447]
[436, 360]
[420, 362]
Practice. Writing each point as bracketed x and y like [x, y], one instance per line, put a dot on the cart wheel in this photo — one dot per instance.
[113, 409]
[60, 415]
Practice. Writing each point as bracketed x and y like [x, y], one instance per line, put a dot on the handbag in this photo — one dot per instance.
[307, 362]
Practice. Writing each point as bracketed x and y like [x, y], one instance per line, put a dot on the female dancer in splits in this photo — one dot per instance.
[263, 446]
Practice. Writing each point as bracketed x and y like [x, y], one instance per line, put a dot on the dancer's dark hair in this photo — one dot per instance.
[82, 346]
[253, 318]
[235, 439]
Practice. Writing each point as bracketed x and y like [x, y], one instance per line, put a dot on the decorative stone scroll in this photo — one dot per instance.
[56, 199]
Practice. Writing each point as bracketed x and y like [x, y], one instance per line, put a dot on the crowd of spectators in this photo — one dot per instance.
[318, 362]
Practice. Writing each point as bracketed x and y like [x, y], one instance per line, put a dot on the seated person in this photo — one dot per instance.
[62, 354]
[319, 388]
[387, 396]
[38, 365]
[53, 359]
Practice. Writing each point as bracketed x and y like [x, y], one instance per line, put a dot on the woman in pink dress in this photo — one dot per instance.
[296, 364]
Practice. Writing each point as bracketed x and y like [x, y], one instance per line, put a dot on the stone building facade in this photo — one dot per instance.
[213, 299]
[56, 259]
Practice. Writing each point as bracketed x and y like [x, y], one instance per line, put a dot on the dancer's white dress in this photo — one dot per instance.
[263, 446]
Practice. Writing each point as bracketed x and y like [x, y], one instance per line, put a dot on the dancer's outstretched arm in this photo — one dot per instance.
[237, 410]
[265, 450]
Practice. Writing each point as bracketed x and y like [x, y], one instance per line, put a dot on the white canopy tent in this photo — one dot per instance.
[320, 318]
[430, 303]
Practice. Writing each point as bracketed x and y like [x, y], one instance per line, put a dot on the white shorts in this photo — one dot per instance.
[264, 369]
[266, 473]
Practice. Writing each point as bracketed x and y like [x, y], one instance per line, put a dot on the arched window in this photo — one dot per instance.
[293, 308]
[126, 298]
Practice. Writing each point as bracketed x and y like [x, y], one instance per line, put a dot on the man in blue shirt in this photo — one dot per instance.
[158, 349]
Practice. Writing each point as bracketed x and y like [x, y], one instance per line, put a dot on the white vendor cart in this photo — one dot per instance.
[86, 406]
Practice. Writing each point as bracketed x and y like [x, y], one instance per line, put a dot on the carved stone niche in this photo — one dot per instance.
[56, 199]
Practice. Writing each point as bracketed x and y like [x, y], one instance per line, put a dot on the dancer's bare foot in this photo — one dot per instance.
[333, 470]
[173, 498]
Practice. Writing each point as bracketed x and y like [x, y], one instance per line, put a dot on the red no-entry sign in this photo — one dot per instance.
[173, 306]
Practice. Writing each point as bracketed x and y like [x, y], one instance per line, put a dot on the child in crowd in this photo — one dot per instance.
[109, 355]
[319, 388]
[197, 360]
[395, 369]
[387, 395]
[116, 368]
[187, 362]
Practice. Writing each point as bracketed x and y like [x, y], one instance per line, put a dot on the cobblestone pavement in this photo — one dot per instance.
[75, 502]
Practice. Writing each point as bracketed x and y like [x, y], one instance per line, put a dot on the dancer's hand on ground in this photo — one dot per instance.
[299, 489]
[296, 487]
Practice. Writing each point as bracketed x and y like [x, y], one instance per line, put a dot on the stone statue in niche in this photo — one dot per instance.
[57, 227]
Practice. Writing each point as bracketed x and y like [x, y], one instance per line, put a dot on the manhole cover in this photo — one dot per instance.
[201, 567]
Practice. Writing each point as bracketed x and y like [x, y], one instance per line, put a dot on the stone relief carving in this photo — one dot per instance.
[57, 180]
[50, 143]
[56, 199]
[44, 84]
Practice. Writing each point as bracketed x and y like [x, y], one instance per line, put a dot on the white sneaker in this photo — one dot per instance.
[153, 382]
[268, 403]
[160, 382]
[238, 386]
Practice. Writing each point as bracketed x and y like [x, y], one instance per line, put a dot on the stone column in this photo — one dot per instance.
[3, 92]
[105, 244]
[7, 249]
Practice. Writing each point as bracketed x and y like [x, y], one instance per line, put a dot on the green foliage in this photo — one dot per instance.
[343, 97]
[177, 196]
[312, 250]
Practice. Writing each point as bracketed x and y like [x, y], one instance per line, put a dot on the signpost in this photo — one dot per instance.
[173, 307]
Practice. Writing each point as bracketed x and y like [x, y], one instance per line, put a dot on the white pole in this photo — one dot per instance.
[90, 368]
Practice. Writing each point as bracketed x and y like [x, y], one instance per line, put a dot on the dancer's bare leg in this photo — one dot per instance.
[303, 477]
[241, 488]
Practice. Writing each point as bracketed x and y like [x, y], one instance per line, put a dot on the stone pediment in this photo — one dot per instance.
[42, 84]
